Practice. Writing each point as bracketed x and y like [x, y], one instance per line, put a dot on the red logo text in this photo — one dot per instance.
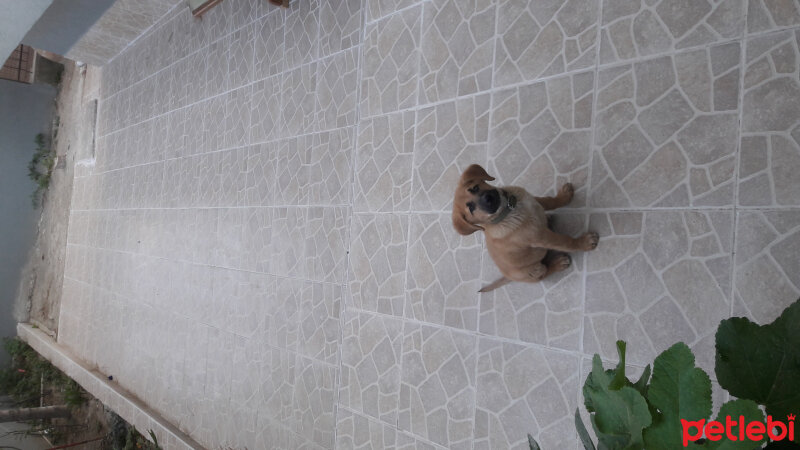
[737, 430]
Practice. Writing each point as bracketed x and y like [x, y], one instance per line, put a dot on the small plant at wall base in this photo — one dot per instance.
[134, 441]
[41, 393]
[124, 436]
[28, 372]
[40, 169]
[759, 365]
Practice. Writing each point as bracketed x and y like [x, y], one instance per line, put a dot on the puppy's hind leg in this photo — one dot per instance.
[502, 281]
[533, 273]
[538, 271]
[557, 262]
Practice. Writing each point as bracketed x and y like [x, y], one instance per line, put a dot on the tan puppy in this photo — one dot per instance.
[515, 227]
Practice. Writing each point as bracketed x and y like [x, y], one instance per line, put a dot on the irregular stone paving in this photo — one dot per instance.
[263, 250]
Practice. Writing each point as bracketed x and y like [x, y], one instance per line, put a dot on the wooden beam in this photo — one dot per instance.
[25, 414]
[202, 9]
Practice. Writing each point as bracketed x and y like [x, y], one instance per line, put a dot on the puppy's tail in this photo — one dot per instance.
[502, 281]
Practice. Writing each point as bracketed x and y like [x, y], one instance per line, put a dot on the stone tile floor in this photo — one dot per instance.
[263, 249]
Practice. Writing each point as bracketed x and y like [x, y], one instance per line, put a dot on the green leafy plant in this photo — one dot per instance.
[40, 168]
[619, 411]
[760, 365]
[134, 441]
[678, 390]
[23, 381]
[124, 436]
[533, 444]
[74, 394]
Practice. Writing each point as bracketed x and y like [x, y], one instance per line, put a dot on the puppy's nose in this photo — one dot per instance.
[489, 200]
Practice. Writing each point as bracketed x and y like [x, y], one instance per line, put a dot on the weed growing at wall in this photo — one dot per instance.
[40, 169]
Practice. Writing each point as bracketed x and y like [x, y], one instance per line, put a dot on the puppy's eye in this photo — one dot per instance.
[471, 207]
[473, 189]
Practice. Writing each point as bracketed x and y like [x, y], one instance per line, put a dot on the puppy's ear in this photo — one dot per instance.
[476, 173]
[461, 225]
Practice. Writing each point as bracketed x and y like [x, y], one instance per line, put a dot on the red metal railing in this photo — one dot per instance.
[19, 65]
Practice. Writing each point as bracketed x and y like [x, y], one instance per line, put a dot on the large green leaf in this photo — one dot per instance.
[612, 379]
[532, 444]
[679, 390]
[735, 408]
[619, 415]
[782, 445]
[586, 440]
[762, 363]
[641, 385]
[619, 379]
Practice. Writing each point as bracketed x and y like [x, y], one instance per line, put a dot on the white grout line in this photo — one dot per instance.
[153, 26]
[477, 334]
[196, 264]
[378, 421]
[345, 292]
[394, 13]
[440, 212]
[588, 215]
[482, 239]
[737, 168]
[406, 312]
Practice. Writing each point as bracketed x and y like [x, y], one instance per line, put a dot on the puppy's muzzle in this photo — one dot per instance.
[489, 201]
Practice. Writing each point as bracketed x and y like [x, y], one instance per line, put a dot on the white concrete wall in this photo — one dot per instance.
[17, 18]
[64, 23]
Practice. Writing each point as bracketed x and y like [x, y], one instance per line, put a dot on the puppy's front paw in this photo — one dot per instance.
[566, 192]
[589, 241]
